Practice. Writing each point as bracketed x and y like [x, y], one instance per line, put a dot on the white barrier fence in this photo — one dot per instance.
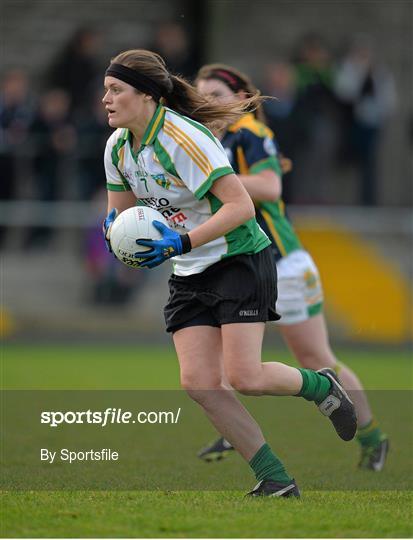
[79, 214]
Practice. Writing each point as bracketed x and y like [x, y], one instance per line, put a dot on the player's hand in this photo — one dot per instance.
[170, 245]
[107, 225]
[286, 164]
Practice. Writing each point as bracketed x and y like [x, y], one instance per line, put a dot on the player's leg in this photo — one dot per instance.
[241, 344]
[248, 296]
[242, 348]
[308, 341]
[245, 371]
[199, 350]
[304, 330]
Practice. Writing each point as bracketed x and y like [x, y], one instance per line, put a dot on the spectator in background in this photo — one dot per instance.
[280, 112]
[316, 119]
[92, 132]
[280, 83]
[53, 137]
[76, 68]
[366, 90]
[173, 43]
[15, 116]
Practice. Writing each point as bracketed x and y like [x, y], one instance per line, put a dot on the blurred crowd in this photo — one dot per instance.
[329, 113]
[328, 117]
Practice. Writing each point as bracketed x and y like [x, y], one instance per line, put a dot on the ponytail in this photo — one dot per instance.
[181, 96]
[186, 100]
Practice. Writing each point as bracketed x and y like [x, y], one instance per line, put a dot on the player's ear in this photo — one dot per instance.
[241, 94]
[147, 97]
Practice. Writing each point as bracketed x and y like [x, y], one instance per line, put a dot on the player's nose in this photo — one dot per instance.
[105, 98]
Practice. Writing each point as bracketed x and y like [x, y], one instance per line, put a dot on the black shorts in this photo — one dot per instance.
[238, 289]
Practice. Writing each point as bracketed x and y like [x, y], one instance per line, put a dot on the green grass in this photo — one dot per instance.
[155, 367]
[370, 506]
[206, 514]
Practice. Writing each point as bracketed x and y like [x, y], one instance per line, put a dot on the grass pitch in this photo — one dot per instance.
[378, 511]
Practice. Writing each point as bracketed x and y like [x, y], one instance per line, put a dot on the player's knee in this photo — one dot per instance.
[194, 384]
[245, 384]
[206, 398]
[316, 360]
[200, 396]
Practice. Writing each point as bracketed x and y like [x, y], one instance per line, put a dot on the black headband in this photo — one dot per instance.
[134, 78]
[233, 82]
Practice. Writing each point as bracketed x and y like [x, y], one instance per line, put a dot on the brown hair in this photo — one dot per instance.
[241, 83]
[181, 96]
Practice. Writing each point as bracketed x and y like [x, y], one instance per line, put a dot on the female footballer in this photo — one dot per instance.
[253, 156]
[223, 286]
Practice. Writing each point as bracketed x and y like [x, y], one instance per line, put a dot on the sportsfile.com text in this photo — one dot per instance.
[109, 416]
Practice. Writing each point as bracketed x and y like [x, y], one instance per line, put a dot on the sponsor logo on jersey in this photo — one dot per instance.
[156, 203]
[175, 216]
[127, 175]
[161, 180]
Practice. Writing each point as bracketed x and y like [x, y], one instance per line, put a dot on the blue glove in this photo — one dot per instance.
[107, 225]
[172, 244]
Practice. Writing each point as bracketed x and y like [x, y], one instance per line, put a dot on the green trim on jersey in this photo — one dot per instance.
[151, 132]
[247, 238]
[154, 126]
[132, 151]
[271, 163]
[165, 159]
[215, 175]
[117, 187]
[115, 160]
[279, 226]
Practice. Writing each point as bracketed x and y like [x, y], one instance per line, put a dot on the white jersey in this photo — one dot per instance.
[173, 171]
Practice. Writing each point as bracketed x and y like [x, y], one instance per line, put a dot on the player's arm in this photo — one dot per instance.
[263, 181]
[120, 195]
[121, 200]
[118, 201]
[263, 186]
[237, 208]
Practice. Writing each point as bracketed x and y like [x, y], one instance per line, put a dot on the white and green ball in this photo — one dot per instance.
[131, 224]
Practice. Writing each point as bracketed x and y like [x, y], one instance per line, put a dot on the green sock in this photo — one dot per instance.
[316, 387]
[267, 466]
[370, 434]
